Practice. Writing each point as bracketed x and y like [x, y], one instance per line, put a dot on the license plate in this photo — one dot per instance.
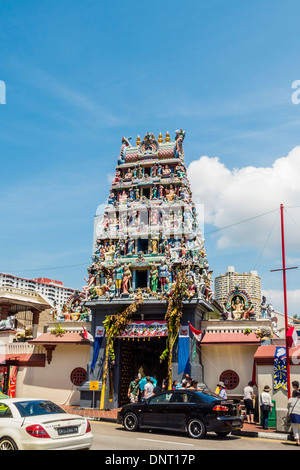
[67, 430]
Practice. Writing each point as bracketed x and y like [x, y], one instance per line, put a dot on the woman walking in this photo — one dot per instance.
[248, 402]
[265, 404]
[294, 415]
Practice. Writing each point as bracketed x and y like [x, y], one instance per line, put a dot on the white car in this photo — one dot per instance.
[34, 424]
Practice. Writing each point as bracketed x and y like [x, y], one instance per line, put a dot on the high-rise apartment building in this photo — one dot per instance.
[249, 282]
[55, 291]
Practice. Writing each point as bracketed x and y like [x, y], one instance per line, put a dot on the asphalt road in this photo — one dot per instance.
[113, 437]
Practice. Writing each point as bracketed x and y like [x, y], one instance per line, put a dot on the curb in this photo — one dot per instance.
[264, 435]
[261, 434]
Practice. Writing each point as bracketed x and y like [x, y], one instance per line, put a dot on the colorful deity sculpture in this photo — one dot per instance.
[153, 277]
[119, 271]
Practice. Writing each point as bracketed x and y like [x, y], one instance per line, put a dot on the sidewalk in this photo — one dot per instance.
[249, 430]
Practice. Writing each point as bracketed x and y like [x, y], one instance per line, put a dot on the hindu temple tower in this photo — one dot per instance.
[147, 238]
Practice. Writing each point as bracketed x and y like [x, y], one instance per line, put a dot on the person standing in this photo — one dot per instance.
[295, 385]
[248, 402]
[133, 390]
[265, 404]
[148, 389]
[294, 415]
[221, 390]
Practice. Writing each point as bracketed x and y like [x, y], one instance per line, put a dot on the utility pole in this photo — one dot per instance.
[284, 269]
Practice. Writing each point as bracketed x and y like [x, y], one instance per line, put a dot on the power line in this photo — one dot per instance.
[54, 267]
[268, 237]
[241, 222]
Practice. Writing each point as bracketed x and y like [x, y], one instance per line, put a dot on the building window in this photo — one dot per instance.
[78, 376]
[230, 379]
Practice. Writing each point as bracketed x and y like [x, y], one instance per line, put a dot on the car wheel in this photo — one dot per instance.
[130, 422]
[6, 443]
[196, 428]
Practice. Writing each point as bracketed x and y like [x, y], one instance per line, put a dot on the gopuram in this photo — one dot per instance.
[149, 280]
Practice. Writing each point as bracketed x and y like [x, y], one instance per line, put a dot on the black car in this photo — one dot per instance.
[183, 410]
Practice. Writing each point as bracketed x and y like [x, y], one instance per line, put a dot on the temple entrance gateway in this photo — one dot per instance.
[140, 356]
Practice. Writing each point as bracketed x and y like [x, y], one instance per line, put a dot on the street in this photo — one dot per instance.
[112, 437]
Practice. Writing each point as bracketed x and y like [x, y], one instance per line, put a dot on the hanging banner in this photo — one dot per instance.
[184, 350]
[99, 335]
[148, 329]
[280, 372]
[12, 381]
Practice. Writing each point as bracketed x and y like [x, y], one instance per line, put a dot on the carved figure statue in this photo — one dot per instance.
[163, 274]
[263, 307]
[238, 308]
[124, 146]
[8, 323]
[23, 335]
[178, 150]
[90, 282]
[118, 278]
[127, 276]
[130, 246]
[153, 276]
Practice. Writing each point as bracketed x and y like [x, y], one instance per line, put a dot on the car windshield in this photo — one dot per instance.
[37, 407]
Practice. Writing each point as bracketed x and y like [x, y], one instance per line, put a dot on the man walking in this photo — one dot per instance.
[133, 390]
[148, 389]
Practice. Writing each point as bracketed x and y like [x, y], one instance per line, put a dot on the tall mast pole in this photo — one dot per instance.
[284, 269]
[285, 301]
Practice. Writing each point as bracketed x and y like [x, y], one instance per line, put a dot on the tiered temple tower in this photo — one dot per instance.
[147, 233]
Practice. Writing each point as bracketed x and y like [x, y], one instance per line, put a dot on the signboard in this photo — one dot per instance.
[145, 329]
[94, 385]
[184, 330]
[100, 332]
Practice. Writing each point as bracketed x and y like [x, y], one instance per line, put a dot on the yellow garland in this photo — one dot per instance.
[114, 325]
[173, 316]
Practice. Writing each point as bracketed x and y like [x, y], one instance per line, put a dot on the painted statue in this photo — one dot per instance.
[163, 274]
[127, 276]
[8, 323]
[153, 276]
[124, 146]
[238, 308]
[118, 278]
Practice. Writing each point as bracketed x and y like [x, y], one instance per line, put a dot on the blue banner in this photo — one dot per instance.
[183, 355]
[280, 372]
[97, 344]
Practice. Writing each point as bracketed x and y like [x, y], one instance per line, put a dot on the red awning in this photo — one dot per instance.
[229, 338]
[24, 360]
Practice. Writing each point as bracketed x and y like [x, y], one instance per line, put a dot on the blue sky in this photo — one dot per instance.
[80, 75]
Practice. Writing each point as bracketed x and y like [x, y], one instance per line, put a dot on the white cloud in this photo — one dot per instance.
[275, 297]
[232, 196]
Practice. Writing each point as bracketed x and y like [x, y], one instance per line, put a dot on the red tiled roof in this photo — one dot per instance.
[232, 338]
[65, 338]
[265, 354]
